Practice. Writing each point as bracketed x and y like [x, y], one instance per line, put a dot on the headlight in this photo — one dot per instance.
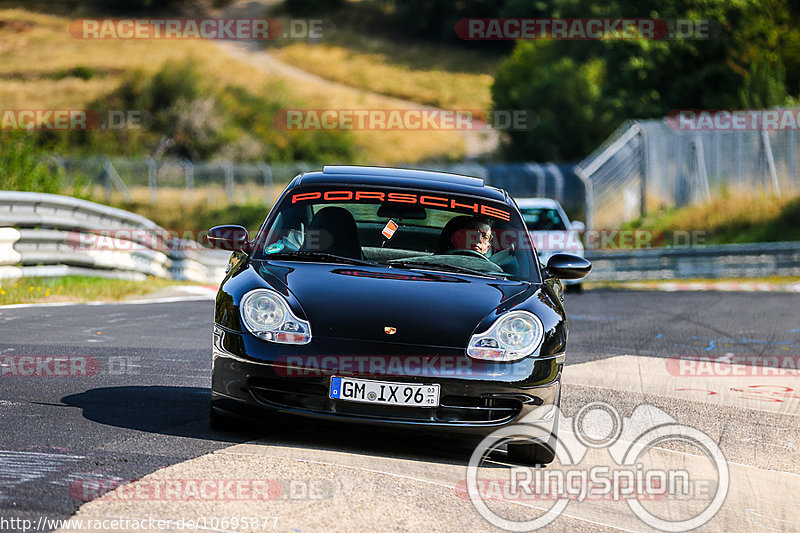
[267, 316]
[513, 336]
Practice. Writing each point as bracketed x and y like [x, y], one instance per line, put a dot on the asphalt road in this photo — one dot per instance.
[137, 399]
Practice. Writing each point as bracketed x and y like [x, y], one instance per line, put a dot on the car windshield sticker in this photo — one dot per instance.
[389, 229]
[437, 201]
[275, 247]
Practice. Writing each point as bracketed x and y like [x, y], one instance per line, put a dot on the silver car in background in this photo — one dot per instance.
[552, 231]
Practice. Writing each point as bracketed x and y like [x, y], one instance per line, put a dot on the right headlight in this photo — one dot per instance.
[514, 335]
[267, 316]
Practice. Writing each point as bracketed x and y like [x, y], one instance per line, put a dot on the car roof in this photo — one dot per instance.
[537, 202]
[398, 177]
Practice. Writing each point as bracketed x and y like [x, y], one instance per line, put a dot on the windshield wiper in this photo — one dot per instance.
[443, 268]
[322, 256]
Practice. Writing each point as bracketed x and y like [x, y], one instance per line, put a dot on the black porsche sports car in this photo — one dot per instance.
[392, 297]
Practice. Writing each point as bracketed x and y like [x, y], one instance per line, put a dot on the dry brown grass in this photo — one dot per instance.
[37, 46]
[212, 196]
[737, 215]
[376, 72]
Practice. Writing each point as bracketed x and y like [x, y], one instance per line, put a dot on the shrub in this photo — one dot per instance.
[22, 165]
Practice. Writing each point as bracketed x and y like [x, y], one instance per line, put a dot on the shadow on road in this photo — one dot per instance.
[176, 411]
[183, 412]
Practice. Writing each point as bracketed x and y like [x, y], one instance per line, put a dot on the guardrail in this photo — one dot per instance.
[51, 235]
[720, 261]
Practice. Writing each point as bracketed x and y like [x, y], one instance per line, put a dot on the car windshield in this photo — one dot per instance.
[542, 219]
[399, 228]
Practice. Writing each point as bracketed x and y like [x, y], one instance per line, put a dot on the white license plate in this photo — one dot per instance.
[384, 392]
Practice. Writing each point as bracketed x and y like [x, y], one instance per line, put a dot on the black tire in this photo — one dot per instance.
[537, 453]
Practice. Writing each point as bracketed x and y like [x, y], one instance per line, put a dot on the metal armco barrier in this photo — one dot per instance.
[51, 235]
[720, 261]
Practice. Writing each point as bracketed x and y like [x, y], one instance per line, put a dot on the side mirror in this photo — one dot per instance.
[229, 238]
[577, 225]
[568, 266]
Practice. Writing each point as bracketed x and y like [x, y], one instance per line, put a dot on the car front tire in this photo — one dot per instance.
[537, 453]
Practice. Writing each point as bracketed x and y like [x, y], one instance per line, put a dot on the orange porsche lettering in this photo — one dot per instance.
[496, 213]
[402, 198]
[338, 196]
[473, 207]
[369, 195]
[306, 196]
[431, 200]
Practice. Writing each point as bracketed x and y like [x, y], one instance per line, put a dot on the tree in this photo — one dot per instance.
[563, 93]
[752, 62]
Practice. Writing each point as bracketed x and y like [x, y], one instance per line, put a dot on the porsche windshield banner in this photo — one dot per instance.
[438, 200]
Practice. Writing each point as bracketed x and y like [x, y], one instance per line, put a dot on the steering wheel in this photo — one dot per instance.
[472, 253]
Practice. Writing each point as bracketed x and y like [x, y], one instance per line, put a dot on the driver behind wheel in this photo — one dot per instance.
[469, 233]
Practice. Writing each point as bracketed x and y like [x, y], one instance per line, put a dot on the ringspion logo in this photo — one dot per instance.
[601, 456]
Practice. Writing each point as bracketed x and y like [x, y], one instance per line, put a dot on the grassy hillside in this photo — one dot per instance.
[352, 52]
[44, 67]
[420, 73]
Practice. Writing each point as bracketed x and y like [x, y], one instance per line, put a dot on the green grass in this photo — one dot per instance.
[731, 218]
[76, 289]
[200, 216]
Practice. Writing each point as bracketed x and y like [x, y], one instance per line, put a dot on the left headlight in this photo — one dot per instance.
[267, 316]
[514, 335]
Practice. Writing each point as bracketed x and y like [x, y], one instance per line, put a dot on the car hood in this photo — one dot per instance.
[359, 302]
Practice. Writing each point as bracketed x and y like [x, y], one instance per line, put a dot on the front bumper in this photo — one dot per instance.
[252, 379]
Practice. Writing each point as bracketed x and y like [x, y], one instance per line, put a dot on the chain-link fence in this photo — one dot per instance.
[647, 164]
[150, 180]
[643, 165]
